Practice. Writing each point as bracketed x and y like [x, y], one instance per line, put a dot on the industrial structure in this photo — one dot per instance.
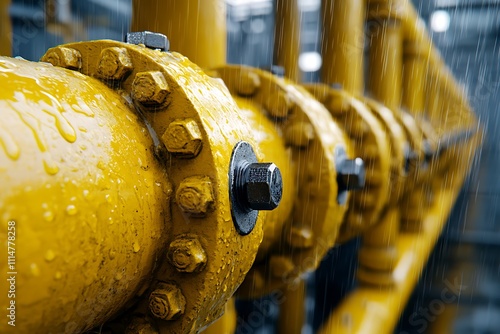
[150, 183]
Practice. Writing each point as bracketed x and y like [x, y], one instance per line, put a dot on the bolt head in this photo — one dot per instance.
[299, 134]
[114, 63]
[187, 255]
[351, 174]
[151, 40]
[64, 57]
[281, 266]
[150, 88]
[167, 302]
[264, 186]
[278, 103]
[183, 138]
[195, 196]
[248, 83]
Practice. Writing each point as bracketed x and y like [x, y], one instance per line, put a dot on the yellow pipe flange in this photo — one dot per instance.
[312, 137]
[183, 109]
[372, 144]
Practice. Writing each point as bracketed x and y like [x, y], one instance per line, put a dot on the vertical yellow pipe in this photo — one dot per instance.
[287, 38]
[386, 61]
[195, 28]
[5, 29]
[292, 311]
[415, 67]
[378, 254]
[343, 43]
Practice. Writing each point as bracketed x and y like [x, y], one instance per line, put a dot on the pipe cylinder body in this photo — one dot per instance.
[87, 198]
[197, 29]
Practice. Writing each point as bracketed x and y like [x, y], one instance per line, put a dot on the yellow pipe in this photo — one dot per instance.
[293, 309]
[195, 28]
[343, 44]
[369, 310]
[386, 54]
[415, 66]
[5, 29]
[287, 38]
[88, 221]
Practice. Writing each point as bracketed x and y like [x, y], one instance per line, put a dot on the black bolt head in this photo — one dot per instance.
[151, 40]
[264, 186]
[351, 174]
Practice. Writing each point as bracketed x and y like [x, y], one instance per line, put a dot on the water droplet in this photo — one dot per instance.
[50, 255]
[137, 247]
[35, 271]
[71, 210]
[48, 216]
[50, 167]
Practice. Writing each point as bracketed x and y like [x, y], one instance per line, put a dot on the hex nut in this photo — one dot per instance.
[337, 104]
[167, 301]
[187, 255]
[150, 88]
[195, 195]
[264, 186]
[183, 138]
[151, 40]
[114, 63]
[277, 103]
[64, 57]
[248, 83]
[299, 134]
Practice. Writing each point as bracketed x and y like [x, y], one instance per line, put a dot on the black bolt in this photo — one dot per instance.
[150, 39]
[260, 186]
[253, 187]
[350, 174]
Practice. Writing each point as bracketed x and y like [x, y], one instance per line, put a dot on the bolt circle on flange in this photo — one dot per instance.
[150, 88]
[167, 301]
[183, 138]
[63, 57]
[195, 195]
[187, 255]
[114, 63]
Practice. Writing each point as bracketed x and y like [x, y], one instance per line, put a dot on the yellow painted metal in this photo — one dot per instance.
[5, 29]
[292, 314]
[90, 210]
[311, 137]
[225, 324]
[342, 45]
[386, 53]
[197, 29]
[370, 138]
[287, 38]
[369, 310]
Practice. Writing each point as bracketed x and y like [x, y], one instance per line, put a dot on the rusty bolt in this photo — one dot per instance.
[300, 237]
[150, 88]
[187, 255]
[248, 83]
[167, 302]
[183, 138]
[114, 63]
[194, 195]
[299, 134]
[64, 57]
